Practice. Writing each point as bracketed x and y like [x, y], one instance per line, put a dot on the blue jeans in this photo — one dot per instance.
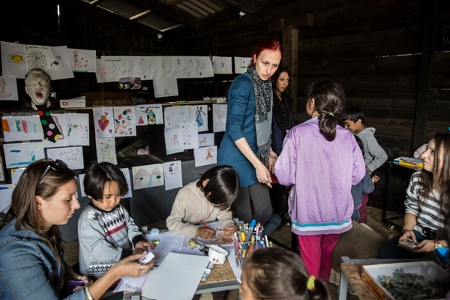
[392, 251]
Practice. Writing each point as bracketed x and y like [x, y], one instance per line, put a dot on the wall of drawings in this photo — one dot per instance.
[186, 127]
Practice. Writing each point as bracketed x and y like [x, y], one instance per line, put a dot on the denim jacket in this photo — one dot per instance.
[28, 267]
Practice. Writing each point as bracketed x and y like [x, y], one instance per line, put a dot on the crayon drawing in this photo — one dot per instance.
[22, 154]
[103, 122]
[172, 175]
[219, 117]
[106, 150]
[205, 139]
[72, 156]
[83, 60]
[222, 65]
[241, 64]
[13, 60]
[174, 115]
[148, 176]
[149, 114]
[189, 135]
[77, 129]
[53, 60]
[15, 174]
[124, 121]
[172, 138]
[205, 156]
[6, 191]
[200, 114]
[165, 87]
[8, 88]
[22, 128]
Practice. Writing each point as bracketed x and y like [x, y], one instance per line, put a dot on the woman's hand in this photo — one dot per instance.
[206, 233]
[425, 246]
[129, 266]
[408, 234]
[272, 161]
[71, 275]
[263, 174]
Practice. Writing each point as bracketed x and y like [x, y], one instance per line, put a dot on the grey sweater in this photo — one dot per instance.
[105, 238]
[374, 155]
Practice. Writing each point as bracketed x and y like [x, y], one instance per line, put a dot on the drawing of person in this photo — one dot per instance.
[75, 58]
[199, 116]
[151, 117]
[2, 89]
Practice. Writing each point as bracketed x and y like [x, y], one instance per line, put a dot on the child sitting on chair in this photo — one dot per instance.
[105, 229]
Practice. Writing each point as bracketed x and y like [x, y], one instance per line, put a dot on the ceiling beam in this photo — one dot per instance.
[248, 6]
[107, 17]
[170, 11]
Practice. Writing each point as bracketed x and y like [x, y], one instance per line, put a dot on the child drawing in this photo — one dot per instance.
[199, 113]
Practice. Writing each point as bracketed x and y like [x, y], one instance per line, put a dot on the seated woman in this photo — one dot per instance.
[424, 219]
[32, 264]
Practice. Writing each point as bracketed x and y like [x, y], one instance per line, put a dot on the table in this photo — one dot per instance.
[386, 220]
[222, 277]
[351, 273]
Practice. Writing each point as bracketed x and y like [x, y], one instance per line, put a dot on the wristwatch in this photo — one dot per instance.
[437, 244]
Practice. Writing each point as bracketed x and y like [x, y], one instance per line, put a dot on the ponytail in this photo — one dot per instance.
[329, 100]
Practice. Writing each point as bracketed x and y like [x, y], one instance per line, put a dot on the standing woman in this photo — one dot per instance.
[283, 120]
[246, 143]
[32, 263]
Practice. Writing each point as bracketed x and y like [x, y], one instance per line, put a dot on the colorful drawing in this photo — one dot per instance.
[104, 126]
[205, 156]
[72, 156]
[148, 176]
[124, 121]
[22, 154]
[20, 128]
[149, 114]
[106, 150]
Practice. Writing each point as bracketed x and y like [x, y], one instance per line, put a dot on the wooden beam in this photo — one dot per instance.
[170, 11]
[423, 86]
[107, 17]
[247, 6]
[297, 21]
[290, 61]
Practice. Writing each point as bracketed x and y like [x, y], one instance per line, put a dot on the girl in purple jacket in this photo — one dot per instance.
[322, 160]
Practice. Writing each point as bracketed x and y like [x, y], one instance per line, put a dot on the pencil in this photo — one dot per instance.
[204, 224]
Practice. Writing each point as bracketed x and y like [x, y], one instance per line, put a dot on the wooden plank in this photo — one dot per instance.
[290, 60]
[425, 72]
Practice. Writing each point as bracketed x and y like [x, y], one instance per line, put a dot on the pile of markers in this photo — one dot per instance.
[248, 239]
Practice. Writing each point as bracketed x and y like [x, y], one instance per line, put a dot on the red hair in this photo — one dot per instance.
[270, 43]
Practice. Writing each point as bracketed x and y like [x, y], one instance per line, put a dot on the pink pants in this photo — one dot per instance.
[316, 252]
[363, 209]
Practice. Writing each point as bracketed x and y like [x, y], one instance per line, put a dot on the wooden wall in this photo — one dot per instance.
[388, 55]
[392, 57]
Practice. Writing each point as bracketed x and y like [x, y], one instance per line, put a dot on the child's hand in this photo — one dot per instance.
[375, 178]
[206, 233]
[143, 245]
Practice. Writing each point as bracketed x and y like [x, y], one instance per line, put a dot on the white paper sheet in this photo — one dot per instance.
[205, 156]
[72, 156]
[177, 278]
[173, 177]
[8, 88]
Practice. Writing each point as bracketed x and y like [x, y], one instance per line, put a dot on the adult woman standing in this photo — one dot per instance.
[283, 120]
[32, 264]
[246, 142]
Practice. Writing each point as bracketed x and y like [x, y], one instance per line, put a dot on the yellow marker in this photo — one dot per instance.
[242, 236]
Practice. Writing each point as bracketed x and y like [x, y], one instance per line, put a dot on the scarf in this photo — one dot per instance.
[282, 112]
[263, 113]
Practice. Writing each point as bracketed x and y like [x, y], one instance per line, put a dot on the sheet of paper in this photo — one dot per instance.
[165, 87]
[205, 139]
[205, 156]
[23, 154]
[177, 278]
[173, 177]
[219, 117]
[8, 88]
[6, 191]
[72, 156]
